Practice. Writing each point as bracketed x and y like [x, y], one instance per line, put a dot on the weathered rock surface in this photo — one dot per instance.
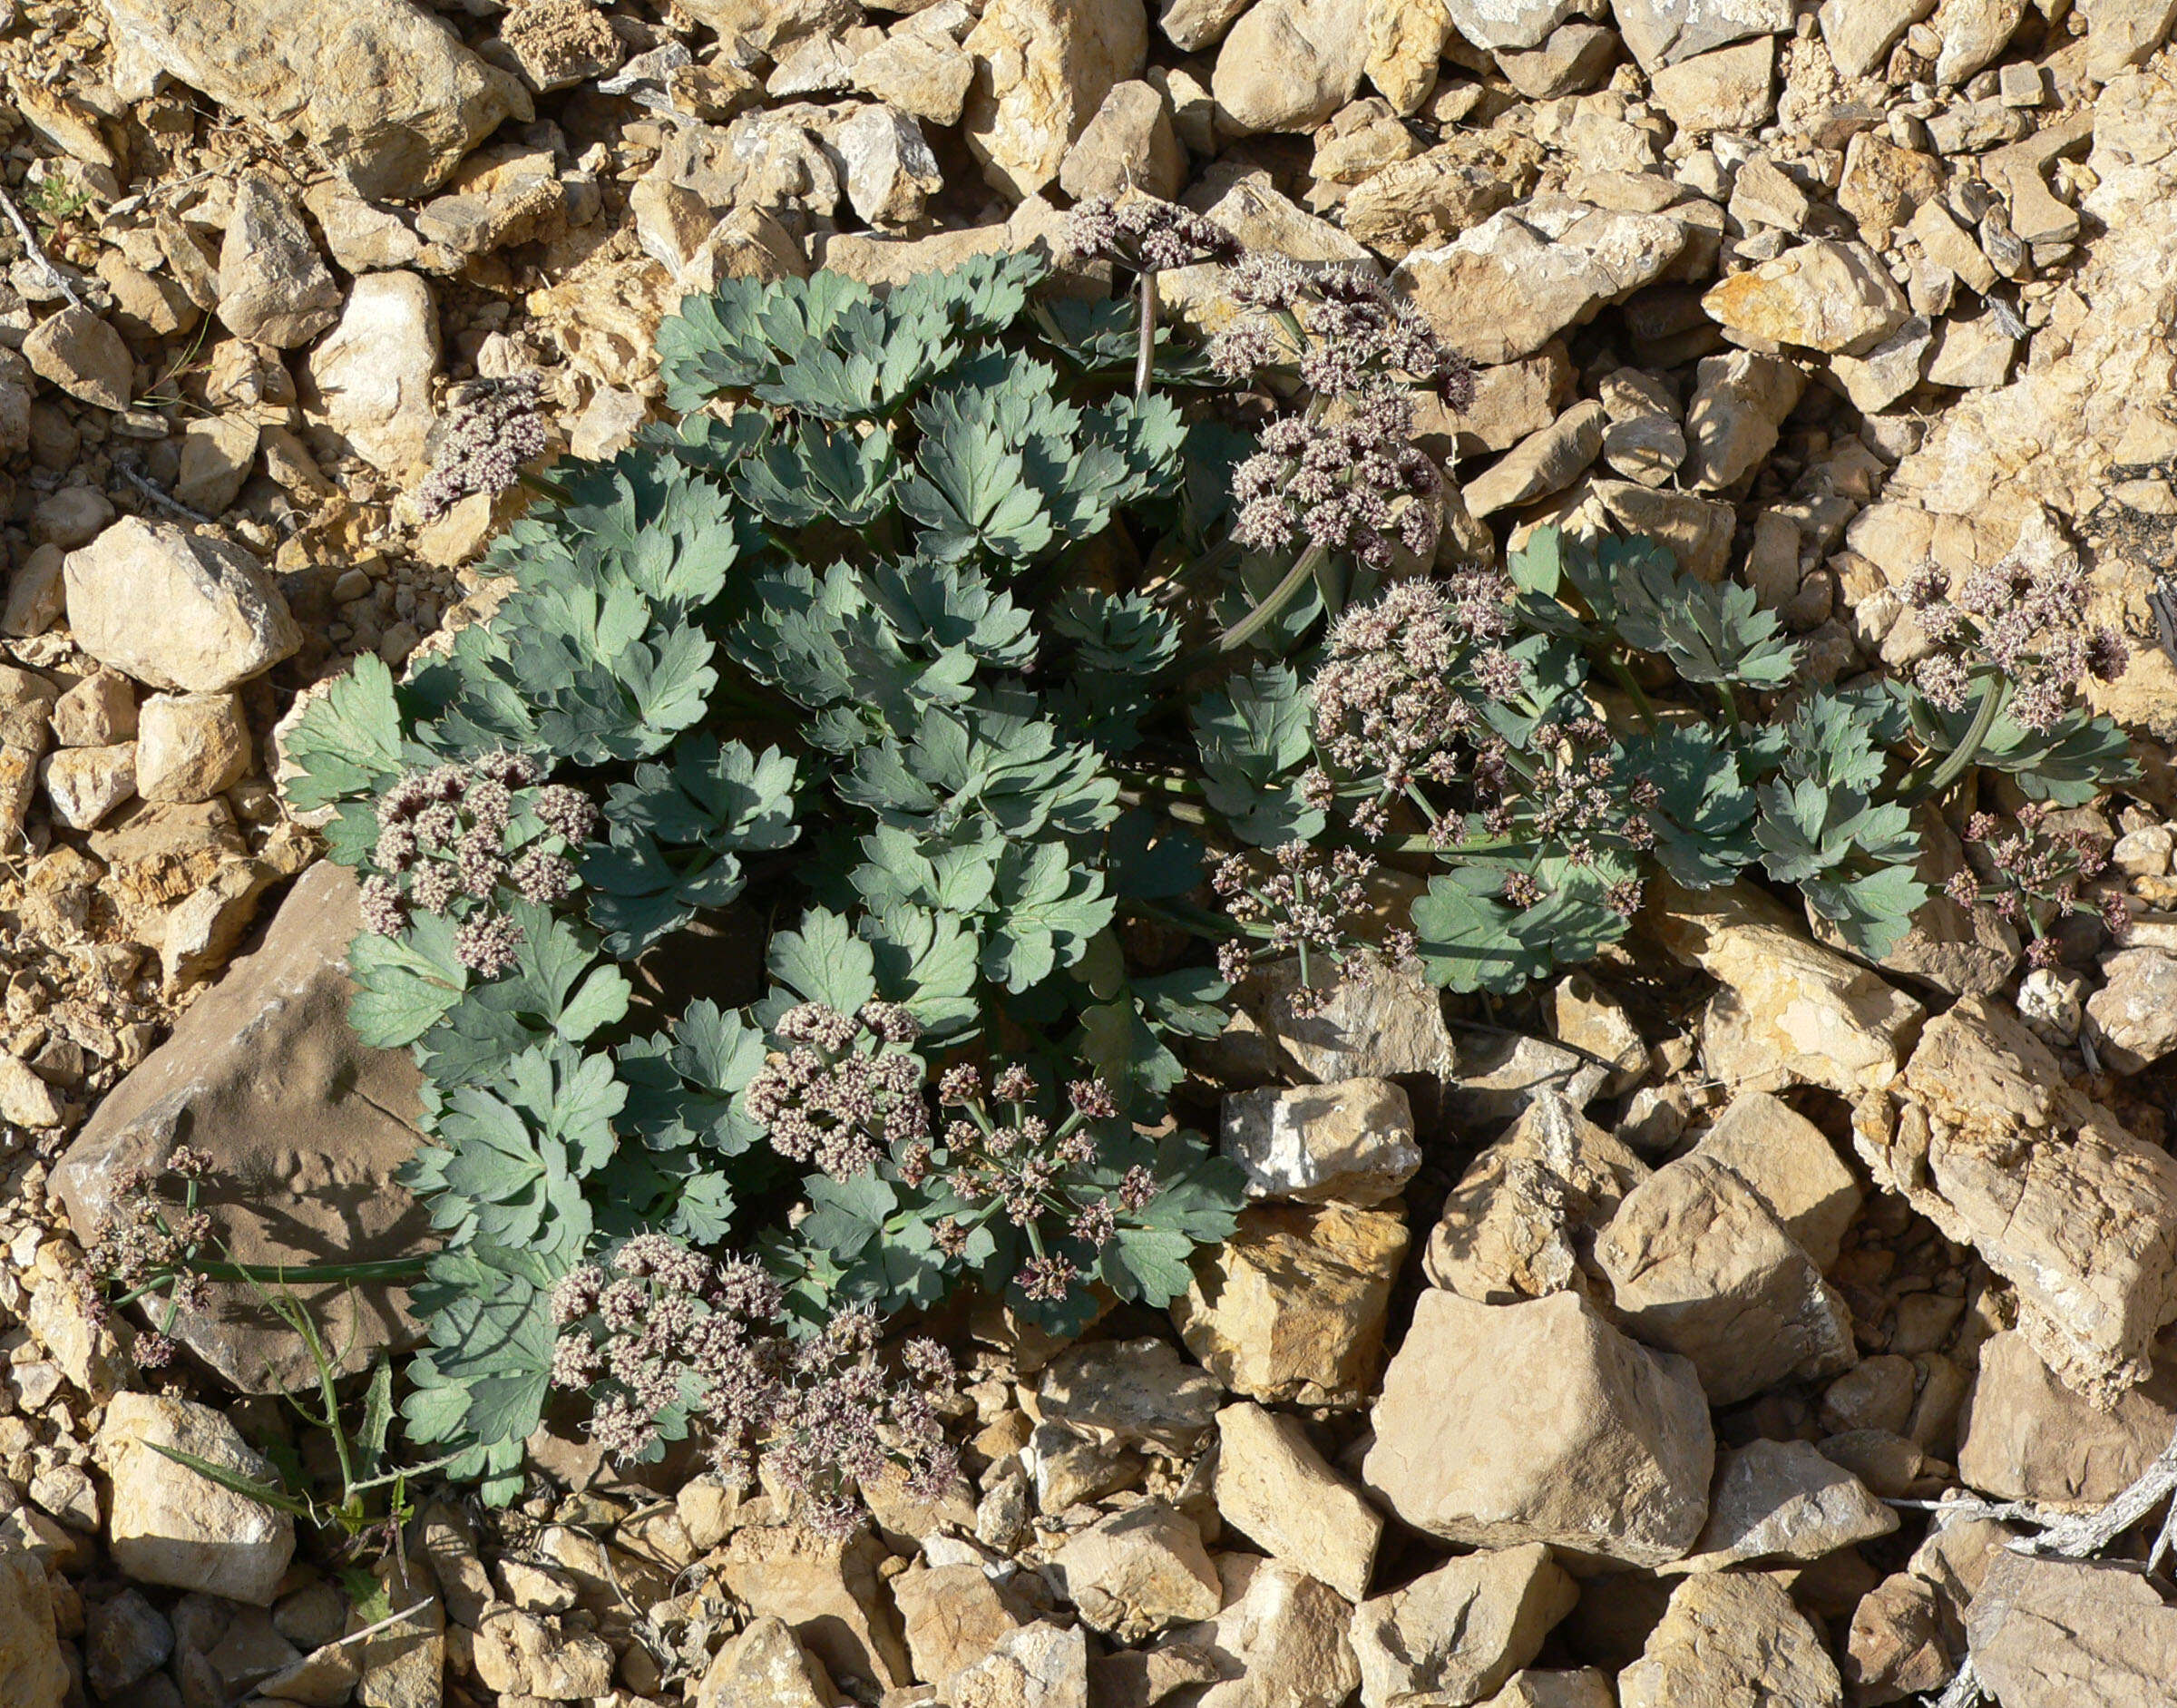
[1728, 1637]
[1273, 1487]
[366, 388]
[1352, 1141]
[1279, 1641]
[1458, 1633]
[1993, 1144]
[385, 91]
[32, 1670]
[1042, 68]
[167, 1524]
[1791, 1166]
[1130, 1393]
[1780, 1501]
[1604, 1447]
[1140, 1570]
[2022, 1435]
[1290, 65]
[305, 1125]
[765, 1667]
[176, 609]
[1824, 295]
[273, 286]
[826, 1589]
[2062, 1634]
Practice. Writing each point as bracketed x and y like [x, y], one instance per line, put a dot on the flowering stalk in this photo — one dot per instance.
[1933, 779]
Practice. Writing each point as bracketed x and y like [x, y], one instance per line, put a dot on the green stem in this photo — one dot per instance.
[1917, 788]
[1256, 621]
[1641, 702]
[1144, 357]
[1731, 705]
[306, 1275]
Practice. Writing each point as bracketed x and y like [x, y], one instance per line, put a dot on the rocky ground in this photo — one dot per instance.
[1611, 1348]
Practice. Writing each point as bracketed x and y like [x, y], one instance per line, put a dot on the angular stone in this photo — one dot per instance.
[1824, 295]
[385, 90]
[1043, 67]
[1129, 1393]
[1440, 192]
[765, 1667]
[1352, 1141]
[1290, 65]
[1994, 1146]
[524, 1654]
[1789, 1009]
[1661, 33]
[1860, 33]
[1885, 185]
[1516, 1223]
[216, 457]
[1780, 1501]
[2133, 1018]
[176, 609]
[1458, 1633]
[2065, 1633]
[191, 747]
[918, 72]
[32, 1670]
[274, 289]
[1504, 288]
[1569, 1433]
[1891, 370]
[1039, 1666]
[952, 1616]
[368, 384]
[1278, 1641]
[1792, 1168]
[1731, 421]
[1699, 1267]
[1380, 1022]
[1141, 1570]
[1273, 1486]
[826, 1589]
[85, 783]
[304, 1158]
[1406, 42]
[1574, 58]
[169, 1524]
[1193, 24]
[1291, 1309]
[1729, 89]
[557, 43]
[2125, 33]
[83, 355]
[1547, 462]
[2025, 1436]
[1729, 1636]
[1130, 144]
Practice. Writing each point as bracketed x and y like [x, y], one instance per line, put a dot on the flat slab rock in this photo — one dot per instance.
[2072, 1634]
[1985, 1138]
[305, 1125]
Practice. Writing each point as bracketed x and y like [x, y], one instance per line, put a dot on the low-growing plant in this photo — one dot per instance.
[1023, 676]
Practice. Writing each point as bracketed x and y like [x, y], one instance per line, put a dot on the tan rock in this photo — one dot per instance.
[826, 1588]
[2025, 1436]
[1042, 68]
[1585, 1016]
[1792, 1168]
[1273, 1487]
[1582, 1687]
[1290, 65]
[1406, 40]
[85, 783]
[1699, 1267]
[1570, 1433]
[1291, 1309]
[176, 609]
[1516, 1223]
[1779, 1501]
[1352, 1141]
[1128, 1393]
[191, 747]
[84, 356]
[2133, 1018]
[765, 1667]
[1279, 1641]
[1130, 144]
[366, 386]
[32, 1671]
[1991, 1143]
[1885, 185]
[527, 1653]
[2060, 1634]
[1458, 1633]
[171, 1525]
[1545, 462]
[1380, 1022]
[1824, 295]
[1140, 1570]
[1039, 1666]
[1435, 195]
[1896, 1645]
[274, 288]
[1730, 89]
[1860, 33]
[918, 72]
[1728, 1636]
[952, 1616]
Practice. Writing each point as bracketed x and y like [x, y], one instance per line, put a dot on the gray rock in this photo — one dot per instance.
[1661, 33]
[891, 172]
[176, 609]
[2133, 1018]
[1350, 1140]
[1514, 25]
[385, 91]
[274, 288]
[303, 1158]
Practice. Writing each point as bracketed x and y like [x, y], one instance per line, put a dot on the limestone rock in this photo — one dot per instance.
[1458, 1633]
[524, 1654]
[1594, 1444]
[765, 1667]
[83, 355]
[1435, 195]
[1289, 64]
[1729, 89]
[1585, 1016]
[273, 286]
[367, 387]
[1792, 1168]
[385, 91]
[891, 172]
[1581, 1687]
[1193, 24]
[32, 1671]
[1547, 462]
[2061, 1634]
[1352, 1141]
[1042, 68]
[1140, 1570]
[1129, 1393]
[169, 1524]
[1130, 144]
[217, 453]
[176, 609]
[191, 747]
[1279, 1640]
[1501, 24]
[1661, 33]
[952, 1616]
[2025, 1436]
[1727, 1636]
[1517, 1223]
[1574, 59]
[1380, 1023]
[304, 1156]
[918, 72]
[1732, 420]
[557, 43]
[1860, 33]
[1790, 1009]
[1996, 1147]
[85, 783]
[1504, 288]
[1039, 1666]
[1884, 185]
[2133, 1018]
[1291, 1308]
[826, 1589]
[1780, 1501]
[1700, 1267]
[1406, 41]
[1825, 295]
[2126, 33]
[1273, 1486]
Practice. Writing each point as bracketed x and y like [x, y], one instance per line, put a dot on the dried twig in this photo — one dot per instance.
[53, 274]
[2088, 1533]
[152, 491]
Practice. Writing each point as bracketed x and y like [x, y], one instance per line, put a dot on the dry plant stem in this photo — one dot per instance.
[152, 491]
[53, 274]
[2088, 1533]
[1962, 1692]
